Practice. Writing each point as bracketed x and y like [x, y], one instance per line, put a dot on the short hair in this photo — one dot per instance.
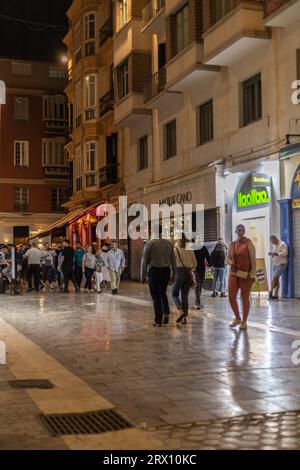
[68, 242]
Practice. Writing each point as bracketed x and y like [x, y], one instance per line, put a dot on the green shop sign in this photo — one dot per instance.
[253, 198]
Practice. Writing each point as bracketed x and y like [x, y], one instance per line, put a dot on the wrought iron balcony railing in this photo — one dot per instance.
[108, 175]
[151, 9]
[57, 172]
[90, 114]
[106, 103]
[106, 31]
[155, 85]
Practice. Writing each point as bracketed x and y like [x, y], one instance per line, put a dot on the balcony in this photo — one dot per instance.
[236, 35]
[56, 126]
[56, 172]
[154, 17]
[281, 13]
[130, 110]
[108, 175]
[90, 114]
[21, 207]
[155, 85]
[90, 180]
[106, 31]
[106, 103]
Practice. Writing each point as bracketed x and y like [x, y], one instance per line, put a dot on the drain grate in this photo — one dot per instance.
[42, 384]
[96, 422]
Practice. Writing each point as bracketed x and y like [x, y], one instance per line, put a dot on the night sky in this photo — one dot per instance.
[32, 41]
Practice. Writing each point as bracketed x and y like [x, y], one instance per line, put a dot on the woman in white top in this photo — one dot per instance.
[105, 273]
[184, 279]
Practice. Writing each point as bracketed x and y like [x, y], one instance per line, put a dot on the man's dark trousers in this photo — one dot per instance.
[158, 280]
[35, 271]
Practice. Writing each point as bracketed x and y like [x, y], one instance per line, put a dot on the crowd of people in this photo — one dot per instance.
[183, 266]
[48, 268]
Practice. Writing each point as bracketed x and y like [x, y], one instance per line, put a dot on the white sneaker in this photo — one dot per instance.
[235, 323]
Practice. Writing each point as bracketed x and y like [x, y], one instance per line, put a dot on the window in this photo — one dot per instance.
[21, 153]
[252, 100]
[143, 153]
[77, 42]
[21, 106]
[78, 103]
[57, 73]
[122, 12]
[123, 79]
[58, 197]
[54, 153]
[55, 110]
[91, 157]
[181, 24]
[89, 34]
[206, 122]
[90, 96]
[21, 198]
[170, 139]
[78, 169]
[220, 8]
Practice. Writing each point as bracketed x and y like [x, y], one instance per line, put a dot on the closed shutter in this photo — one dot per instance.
[211, 224]
[297, 251]
[136, 248]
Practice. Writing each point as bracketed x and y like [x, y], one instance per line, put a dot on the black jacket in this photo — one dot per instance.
[201, 256]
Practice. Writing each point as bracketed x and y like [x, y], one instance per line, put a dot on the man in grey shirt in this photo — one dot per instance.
[158, 261]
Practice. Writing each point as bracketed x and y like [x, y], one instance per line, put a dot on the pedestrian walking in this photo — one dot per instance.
[158, 268]
[78, 256]
[34, 256]
[218, 263]
[48, 265]
[186, 264]
[203, 258]
[58, 273]
[88, 268]
[242, 261]
[280, 262]
[115, 262]
[98, 272]
[105, 273]
[67, 265]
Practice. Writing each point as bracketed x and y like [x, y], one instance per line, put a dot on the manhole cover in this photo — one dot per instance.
[43, 384]
[96, 422]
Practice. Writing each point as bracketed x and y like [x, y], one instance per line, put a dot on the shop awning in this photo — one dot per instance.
[67, 220]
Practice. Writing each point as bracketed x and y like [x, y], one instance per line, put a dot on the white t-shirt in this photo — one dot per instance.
[34, 255]
[282, 250]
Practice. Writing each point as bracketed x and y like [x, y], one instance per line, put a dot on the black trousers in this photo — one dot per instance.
[89, 276]
[68, 276]
[35, 271]
[78, 275]
[158, 280]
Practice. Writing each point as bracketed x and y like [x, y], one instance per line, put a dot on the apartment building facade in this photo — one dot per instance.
[96, 144]
[34, 172]
[202, 98]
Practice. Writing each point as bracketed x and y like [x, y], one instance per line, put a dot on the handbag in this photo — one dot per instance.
[190, 274]
[239, 273]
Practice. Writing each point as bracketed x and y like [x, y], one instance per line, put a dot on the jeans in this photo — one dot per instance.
[219, 275]
[198, 288]
[78, 275]
[158, 280]
[181, 289]
[34, 270]
[88, 276]
[99, 279]
[48, 274]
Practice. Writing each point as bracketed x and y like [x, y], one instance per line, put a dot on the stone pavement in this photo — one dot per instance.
[200, 386]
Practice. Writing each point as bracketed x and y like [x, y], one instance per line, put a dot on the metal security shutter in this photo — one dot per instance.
[297, 251]
[136, 248]
[211, 224]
